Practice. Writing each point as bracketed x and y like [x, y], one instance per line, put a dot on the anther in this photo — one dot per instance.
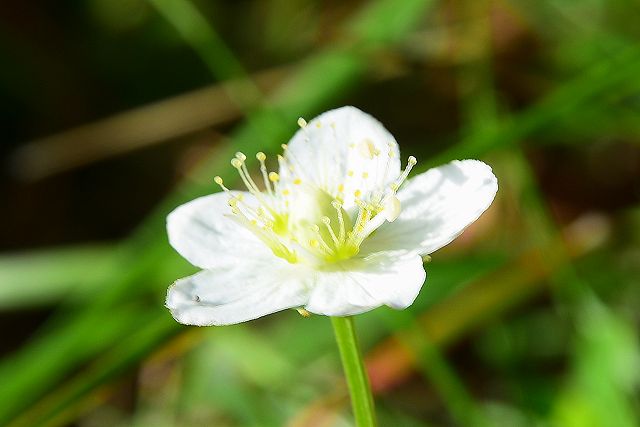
[218, 180]
[274, 177]
[302, 312]
[236, 163]
[261, 156]
[302, 123]
[240, 156]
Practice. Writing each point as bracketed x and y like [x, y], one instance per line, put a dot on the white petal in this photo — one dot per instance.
[343, 147]
[235, 294]
[362, 284]
[202, 232]
[436, 207]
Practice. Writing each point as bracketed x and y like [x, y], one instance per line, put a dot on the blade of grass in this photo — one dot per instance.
[47, 276]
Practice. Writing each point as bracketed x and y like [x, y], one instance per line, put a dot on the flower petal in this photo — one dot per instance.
[235, 294]
[362, 284]
[203, 233]
[343, 150]
[436, 207]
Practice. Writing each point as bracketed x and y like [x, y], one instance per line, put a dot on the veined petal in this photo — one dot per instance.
[362, 284]
[202, 232]
[436, 207]
[237, 293]
[343, 151]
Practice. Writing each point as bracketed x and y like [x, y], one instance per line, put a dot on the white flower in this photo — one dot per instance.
[336, 230]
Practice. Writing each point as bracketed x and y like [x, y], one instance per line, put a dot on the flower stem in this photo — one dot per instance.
[357, 380]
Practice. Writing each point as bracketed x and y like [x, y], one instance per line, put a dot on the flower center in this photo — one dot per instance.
[303, 221]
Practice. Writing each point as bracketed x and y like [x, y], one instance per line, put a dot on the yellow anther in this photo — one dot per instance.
[341, 188]
[284, 146]
[297, 181]
[218, 180]
[318, 124]
[336, 204]
[315, 228]
[240, 156]
[412, 160]
[325, 220]
[261, 156]
[357, 193]
[285, 192]
[274, 177]
[236, 163]
[314, 243]
[233, 202]
[302, 312]
[365, 175]
[302, 123]
[350, 173]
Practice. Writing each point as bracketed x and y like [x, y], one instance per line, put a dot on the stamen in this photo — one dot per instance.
[338, 207]
[411, 162]
[263, 169]
[327, 222]
[302, 123]
[218, 180]
[237, 163]
[248, 175]
[320, 240]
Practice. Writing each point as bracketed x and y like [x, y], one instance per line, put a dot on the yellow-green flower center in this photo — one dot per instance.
[302, 222]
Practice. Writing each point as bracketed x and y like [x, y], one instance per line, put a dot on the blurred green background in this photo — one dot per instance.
[115, 111]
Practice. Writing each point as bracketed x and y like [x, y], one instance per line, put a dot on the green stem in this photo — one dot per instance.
[357, 380]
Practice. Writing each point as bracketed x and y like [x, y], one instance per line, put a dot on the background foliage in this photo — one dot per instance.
[116, 111]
